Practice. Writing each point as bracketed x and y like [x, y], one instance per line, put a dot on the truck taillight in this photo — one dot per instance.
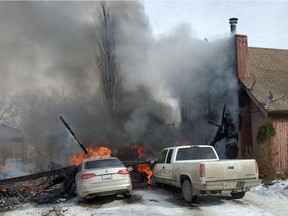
[202, 170]
[87, 175]
[123, 171]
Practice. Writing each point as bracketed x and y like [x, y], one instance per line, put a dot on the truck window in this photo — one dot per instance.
[195, 153]
[168, 160]
[162, 156]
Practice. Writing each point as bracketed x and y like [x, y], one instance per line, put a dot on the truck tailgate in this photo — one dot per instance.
[230, 170]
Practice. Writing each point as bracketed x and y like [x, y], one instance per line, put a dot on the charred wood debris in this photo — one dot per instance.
[54, 185]
[45, 187]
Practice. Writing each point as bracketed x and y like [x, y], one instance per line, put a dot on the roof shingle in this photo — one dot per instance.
[270, 68]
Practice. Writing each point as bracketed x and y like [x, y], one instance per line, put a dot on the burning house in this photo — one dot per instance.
[261, 93]
[209, 104]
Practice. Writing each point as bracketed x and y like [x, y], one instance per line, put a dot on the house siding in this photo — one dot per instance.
[245, 132]
[257, 118]
[280, 141]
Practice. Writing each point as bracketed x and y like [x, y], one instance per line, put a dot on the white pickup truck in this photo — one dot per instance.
[197, 170]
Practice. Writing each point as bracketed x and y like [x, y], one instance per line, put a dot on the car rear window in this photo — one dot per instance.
[195, 153]
[106, 163]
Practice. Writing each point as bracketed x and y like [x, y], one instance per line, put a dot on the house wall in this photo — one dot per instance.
[244, 126]
[12, 143]
[12, 149]
[280, 141]
[257, 117]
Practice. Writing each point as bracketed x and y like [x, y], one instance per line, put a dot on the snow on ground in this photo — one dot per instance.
[261, 200]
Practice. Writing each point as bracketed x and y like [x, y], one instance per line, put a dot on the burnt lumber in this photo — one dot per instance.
[73, 134]
[60, 171]
[45, 187]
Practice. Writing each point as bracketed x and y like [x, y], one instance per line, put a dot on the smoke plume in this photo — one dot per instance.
[48, 58]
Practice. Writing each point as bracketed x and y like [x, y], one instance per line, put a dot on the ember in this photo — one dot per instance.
[91, 152]
[145, 168]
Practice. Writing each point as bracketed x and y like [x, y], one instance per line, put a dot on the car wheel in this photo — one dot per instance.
[187, 192]
[238, 195]
[80, 199]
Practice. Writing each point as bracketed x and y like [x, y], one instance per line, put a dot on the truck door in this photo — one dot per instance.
[163, 169]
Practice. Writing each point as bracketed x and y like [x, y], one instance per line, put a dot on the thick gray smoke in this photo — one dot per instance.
[46, 43]
[47, 56]
[200, 74]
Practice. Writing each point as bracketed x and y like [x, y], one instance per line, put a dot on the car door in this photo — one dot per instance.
[162, 170]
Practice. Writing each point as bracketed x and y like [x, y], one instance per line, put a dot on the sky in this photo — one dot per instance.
[264, 22]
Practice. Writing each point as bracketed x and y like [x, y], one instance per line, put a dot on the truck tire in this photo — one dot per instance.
[187, 192]
[238, 195]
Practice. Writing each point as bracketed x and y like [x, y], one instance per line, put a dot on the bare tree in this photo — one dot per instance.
[7, 106]
[106, 57]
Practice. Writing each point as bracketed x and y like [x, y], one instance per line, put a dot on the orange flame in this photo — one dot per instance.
[145, 168]
[141, 150]
[3, 189]
[92, 152]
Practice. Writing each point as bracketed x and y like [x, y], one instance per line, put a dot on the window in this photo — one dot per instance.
[162, 156]
[169, 156]
[107, 163]
[195, 153]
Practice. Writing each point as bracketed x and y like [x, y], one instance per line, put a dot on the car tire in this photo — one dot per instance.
[187, 192]
[238, 195]
[80, 199]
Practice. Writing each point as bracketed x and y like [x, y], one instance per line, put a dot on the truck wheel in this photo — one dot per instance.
[238, 195]
[187, 192]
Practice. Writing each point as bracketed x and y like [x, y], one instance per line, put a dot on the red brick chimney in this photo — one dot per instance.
[242, 56]
[241, 50]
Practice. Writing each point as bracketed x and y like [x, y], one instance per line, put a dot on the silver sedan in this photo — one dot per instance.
[102, 176]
